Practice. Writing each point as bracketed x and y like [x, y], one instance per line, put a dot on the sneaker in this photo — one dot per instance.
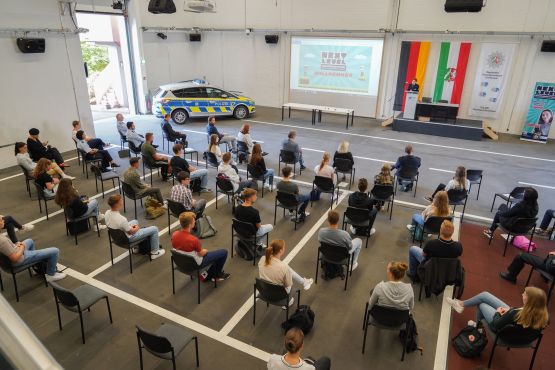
[487, 233]
[429, 199]
[307, 283]
[205, 190]
[508, 277]
[303, 167]
[69, 177]
[471, 323]
[291, 301]
[306, 214]
[410, 227]
[57, 276]
[27, 227]
[539, 231]
[372, 231]
[114, 164]
[100, 227]
[222, 277]
[261, 246]
[352, 230]
[101, 217]
[455, 304]
[135, 250]
[267, 187]
[158, 254]
[355, 265]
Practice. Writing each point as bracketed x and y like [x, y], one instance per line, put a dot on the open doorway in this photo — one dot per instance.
[105, 50]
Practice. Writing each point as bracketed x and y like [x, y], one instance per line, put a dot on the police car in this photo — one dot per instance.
[196, 98]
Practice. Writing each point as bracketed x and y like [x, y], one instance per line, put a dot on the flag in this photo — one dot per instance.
[451, 70]
[412, 64]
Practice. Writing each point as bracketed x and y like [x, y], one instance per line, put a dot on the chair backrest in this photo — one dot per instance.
[66, 297]
[40, 191]
[287, 200]
[516, 335]
[26, 173]
[456, 195]
[389, 316]
[474, 175]
[122, 137]
[128, 190]
[518, 192]
[382, 192]
[324, 183]
[334, 253]
[255, 172]
[153, 342]
[358, 215]
[184, 262]
[175, 208]
[343, 165]
[96, 170]
[287, 156]
[5, 263]
[133, 148]
[242, 146]
[147, 161]
[225, 185]
[523, 225]
[270, 292]
[433, 223]
[211, 159]
[244, 229]
[407, 172]
[119, 237]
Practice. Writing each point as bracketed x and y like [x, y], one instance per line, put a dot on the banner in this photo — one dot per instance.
[451, 71]
[540, 115]
[412, 64]
[491, 77]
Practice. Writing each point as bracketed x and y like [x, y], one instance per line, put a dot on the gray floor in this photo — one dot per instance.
[337, 332]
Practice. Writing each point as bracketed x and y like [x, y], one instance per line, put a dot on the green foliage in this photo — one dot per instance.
[95, 56]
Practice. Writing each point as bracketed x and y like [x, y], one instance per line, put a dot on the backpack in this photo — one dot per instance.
[77, 227]
[244, 250]
[303, 318]
[204, 228]
[331, 271]
[195, 185]
[153, 208]
[410, 337]
[314, 195]
[470, 348]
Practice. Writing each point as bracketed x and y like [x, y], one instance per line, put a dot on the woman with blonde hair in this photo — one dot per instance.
[384, 177]
[532, 315]
[294, 343]
[458, 182]
[393, 293]
[439, 208]
[324, 169]
[68, 198]
[343, 152]
[257, 160]
[48, 183]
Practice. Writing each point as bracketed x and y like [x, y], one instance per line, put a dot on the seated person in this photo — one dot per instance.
[94, 143]
[247, 213]
[442, 247]
[10, 224]
[498, 314]
[405, 166]
[182, 194]
[179, 163]
[22, 253]
[115, 220]
[288, 186]
[343, 152]
[361, 199]
[291, 145]
[78, 206]
[245, 136]
[222, 137]
[133, 137]
[101, 154]
[132, 177]
[187, 243]
[227, 169]
[526, 208]
[38, 149]
[384, 177]
[439, 208]
[257, 160]
[294, 339]
[121, 125]
[48, 183]
[214, 148]
[152, 157]
[459, 182]
[25, 161]
[325, 170]
[546, 220]
[334, 236]
[393, 293]
[171, 134]
[522, 259]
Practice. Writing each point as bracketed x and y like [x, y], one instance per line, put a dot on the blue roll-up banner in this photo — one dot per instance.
[540, 115]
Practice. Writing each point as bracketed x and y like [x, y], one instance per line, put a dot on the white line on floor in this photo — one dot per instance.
[21, 174]
[440, 170]
[539, 186]
[355, 156]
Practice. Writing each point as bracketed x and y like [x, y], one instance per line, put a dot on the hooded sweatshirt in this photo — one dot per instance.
[392, 294]
[360, 200]
[230, 172]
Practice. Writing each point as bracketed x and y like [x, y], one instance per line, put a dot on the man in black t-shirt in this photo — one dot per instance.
[442, 247]
[361, 199]
[247, 213]
[179, 163]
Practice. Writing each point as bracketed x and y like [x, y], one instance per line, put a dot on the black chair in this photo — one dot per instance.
[28, 178]
[521, 227]
[219, 143]
[431, 226]
[442, 272]
[242, 151]
[409, 175]
[119, 238]
[245, 232]
[86, 161]
[225, 186]
[514, 336]
[326, 185]
[514, 196]
[68, 215]
[78, 300]
[458, 198]
[210, 159]
[186, 264]
[174, 209]
[147, 164]
[78, 152]
[134, 149]
[105, 176]
[257, 175]
[6, 266]
[288, 157]
[360, 217]
[42, 197]
[546, 276]
[335, 255]
[386, 318]
[289, 202]
[475, 177]
[272, 294]
[122, 140]
[130, 193]
[384, 194]
[345, 166]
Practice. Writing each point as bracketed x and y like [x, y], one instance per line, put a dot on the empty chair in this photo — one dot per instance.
[289, 202]
[550, 278]
[245, 232]
[186, 264]
[28, 178]
[257, 174]
[475, 177]
[225, 186]
[119, 238]
[522, 226]
[210, 159]
[360, 217]
[325, 185]
[134, 149]
[407, 176]
[105, 176]
[432, 225]
[288, 157]
[272, 294]
[335, 255]
[7, 266]
[69, 218]
[345, 166]
[122, 140]
[131, 194]
[458, 198]
[42, 197]
[174, 209]
[167, 342]
[78, 300]
[384, 194]
[515, 195]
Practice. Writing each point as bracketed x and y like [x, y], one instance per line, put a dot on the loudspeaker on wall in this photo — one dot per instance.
[27, 45]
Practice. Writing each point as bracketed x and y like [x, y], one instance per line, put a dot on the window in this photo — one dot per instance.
[214, 93]
[191, 93]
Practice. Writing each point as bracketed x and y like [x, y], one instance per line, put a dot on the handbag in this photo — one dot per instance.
[523, 243]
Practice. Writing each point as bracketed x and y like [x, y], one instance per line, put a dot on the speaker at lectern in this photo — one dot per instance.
[410, 104]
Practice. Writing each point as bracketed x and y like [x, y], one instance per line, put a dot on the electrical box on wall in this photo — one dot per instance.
[548, 46]
[28, 46]
[194, 37]
[272, 39]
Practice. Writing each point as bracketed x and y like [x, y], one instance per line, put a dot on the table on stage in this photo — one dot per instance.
[437, 111]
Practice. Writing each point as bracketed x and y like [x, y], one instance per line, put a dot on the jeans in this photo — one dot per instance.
[299, 157]
[150, 232]
[263, 230]
[217, 258]
[92, 208]
[269, 174]
[416, 256]
[303, 199]
[10, 224]
[355, 250]
[502, 209]
[547, 217]
[96, 143]
[202, 175]
[487, 304]
[102, 155]
[418, 219]
[229, 139]
[50, 255]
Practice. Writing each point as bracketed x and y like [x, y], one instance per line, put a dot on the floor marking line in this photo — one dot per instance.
[355, 156]
[21, 173]
[539, 186]
[440, 170]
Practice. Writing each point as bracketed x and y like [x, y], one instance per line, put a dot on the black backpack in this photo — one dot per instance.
[470, 348]
[303, 318]
[244, 250]
[331, 271]
[195, 185]
[411, 337]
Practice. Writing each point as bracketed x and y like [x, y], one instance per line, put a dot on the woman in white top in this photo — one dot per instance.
[25, 161]
[230, 172]
[214, 148]
[294, 339]
[245, 136]
[324, 169]
[393, 292]
[458, 182]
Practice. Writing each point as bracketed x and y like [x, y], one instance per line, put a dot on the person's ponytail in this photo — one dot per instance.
[325, 158]
[273, 249]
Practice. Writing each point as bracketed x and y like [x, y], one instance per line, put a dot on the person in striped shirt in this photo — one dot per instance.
[182, 194]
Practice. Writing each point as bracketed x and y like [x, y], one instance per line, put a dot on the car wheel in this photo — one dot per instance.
[179, 116]
[240, 112]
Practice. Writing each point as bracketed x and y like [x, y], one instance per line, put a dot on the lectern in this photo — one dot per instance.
[410, 104]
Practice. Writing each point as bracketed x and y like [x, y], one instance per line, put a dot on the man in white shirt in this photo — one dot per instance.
[104, 155]
[114, 220]
[134, 137]
[121, 125]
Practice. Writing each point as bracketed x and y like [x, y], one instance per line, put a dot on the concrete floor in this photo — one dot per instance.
[223, 319]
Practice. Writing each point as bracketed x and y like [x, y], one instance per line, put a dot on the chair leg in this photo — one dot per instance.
[109, 310]
[365, 334]
[479, 186]
[254, 306]
[198, 287]
[506, 244]
[58, 311]
[317, 263]
[82, 327]
[492, 352]
[493, 203]
[15, 286]
[196, 348]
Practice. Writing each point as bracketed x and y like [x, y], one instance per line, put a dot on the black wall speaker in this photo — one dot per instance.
[161, 6]
[548, 46]
[457, 6]
[194, 37]
[272, 39]
[31, 45]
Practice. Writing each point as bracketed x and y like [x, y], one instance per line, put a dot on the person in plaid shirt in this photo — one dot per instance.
[182, 194]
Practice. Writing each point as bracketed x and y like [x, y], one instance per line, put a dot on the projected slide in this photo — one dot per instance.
[350, 66]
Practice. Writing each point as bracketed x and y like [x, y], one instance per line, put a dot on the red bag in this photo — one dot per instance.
[523, 243]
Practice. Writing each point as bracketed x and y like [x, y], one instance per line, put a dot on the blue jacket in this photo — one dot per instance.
[211, 130]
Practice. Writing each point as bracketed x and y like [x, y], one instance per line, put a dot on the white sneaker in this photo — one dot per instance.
[100, 227]
[306, 214]
[55, 277]
[205, 190]
[135, 250]
[355, 265]
[68, 177]
[291, 301]
[27, 227]
[410, 227]
[352, 229]
[471, 323]
[158, 254]
[307, 283]
[267, 187]
[455, 304]
[101, 217]
[372, 231]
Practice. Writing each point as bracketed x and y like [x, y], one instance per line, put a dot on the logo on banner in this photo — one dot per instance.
[333, 61]
[450, 75]
[495, 59]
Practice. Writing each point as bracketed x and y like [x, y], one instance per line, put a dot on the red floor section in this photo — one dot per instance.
[483, 263]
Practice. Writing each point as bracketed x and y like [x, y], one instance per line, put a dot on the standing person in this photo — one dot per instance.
[182, 194]
[22, 253]
[343, 152]
[38, 149]
[25, 161]
[439, 208]
[10, 224]
[413, 86]
[393, 293]
[134, 137]
[245, 136]
[361, 199]
[291, 145]
[288, 186]
[222, 137]
[131, 177]
[179, 163]
[95, 143]
[247, 213]
[257, 160]
[294, 343]
[526, 208]
[152, 157]
[324, 169]
[68, 198]
[90, 153]
[187, 243]
[171, 134]
[115, 220]
[121, 125]
[407, 165]
[227, 169]
[458, 182]
[334, 236]
[48, 183]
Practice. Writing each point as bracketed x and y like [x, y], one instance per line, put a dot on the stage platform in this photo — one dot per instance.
[467, 129]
